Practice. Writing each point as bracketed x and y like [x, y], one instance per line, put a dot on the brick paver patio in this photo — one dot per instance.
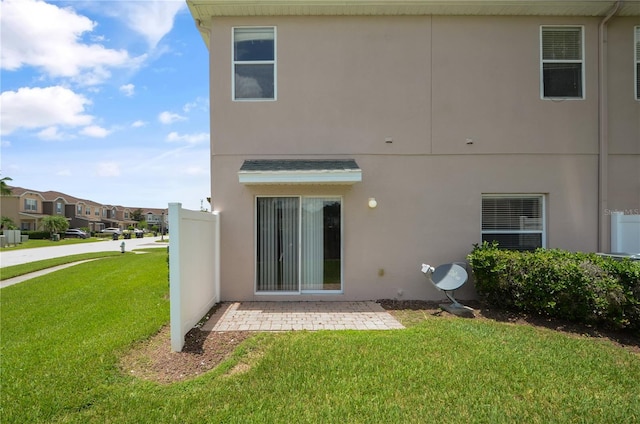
[283, 316]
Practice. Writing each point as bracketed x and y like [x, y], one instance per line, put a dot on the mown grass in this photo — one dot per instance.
[22, 269]
[63, 335]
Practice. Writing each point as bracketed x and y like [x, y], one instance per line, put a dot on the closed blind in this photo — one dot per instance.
[560, 43]
[512, 214]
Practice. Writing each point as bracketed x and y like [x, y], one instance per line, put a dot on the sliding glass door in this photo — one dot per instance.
[298, 246]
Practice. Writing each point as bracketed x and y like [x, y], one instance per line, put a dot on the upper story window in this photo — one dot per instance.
[59, 208]
[88, 211]
[515, 221]
[254, 63]
[562, 62]
[637, 58]
[79, 210]
[30, 205]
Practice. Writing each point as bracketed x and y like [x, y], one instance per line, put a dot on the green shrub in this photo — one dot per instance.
[37, 235]
[580, 287]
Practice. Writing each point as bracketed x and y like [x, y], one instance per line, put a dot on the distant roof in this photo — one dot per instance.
[50, 196]
[300, 171]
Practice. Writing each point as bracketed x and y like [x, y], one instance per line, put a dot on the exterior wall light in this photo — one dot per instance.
[372, 202]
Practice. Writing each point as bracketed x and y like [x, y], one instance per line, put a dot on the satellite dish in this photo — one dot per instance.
[448, 278]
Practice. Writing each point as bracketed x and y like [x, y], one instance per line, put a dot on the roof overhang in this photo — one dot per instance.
[203, 10]
[300, 171]
[32, 215]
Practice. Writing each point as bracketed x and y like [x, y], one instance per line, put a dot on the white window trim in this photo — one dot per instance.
[582, 61]
[543, 240]
[636, 53]
[299, 291]
[273, 62]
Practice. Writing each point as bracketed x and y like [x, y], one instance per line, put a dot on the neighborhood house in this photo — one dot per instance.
[352, 141]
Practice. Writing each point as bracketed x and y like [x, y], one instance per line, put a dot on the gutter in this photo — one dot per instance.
[603, 133]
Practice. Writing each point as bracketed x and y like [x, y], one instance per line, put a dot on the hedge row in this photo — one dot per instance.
[581, 287]
[37, 235]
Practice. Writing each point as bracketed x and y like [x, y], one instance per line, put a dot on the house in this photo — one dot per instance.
[353, 140]
[26, 208]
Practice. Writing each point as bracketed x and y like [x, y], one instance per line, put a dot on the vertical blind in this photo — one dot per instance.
[277, 244]
[298, 245]
[312, 270]
[637, 41]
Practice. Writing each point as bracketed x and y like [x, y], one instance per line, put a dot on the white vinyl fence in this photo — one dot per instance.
[625, 233]
[194, 268]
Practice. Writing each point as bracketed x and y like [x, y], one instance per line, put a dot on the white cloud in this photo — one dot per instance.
[108, 169]
[128, 89]
[170, 118]
[5, 143]
[95, 131]
[196, 170]
[42, 107]
[152, 19]
[50, 133]
[199, 103]
[43, 35]
[138, 124]
[187, 138]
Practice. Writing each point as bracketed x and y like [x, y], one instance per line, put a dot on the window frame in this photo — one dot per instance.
[300, 290]
[636, 62]
[31, 205]
[582, 61]
[273, 62]
[543, 205]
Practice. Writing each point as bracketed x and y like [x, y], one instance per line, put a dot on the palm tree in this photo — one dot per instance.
[5, 190]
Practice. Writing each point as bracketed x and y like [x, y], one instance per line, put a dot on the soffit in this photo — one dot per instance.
[204, 9]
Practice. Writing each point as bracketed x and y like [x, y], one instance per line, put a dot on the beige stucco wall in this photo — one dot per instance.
[430, 83]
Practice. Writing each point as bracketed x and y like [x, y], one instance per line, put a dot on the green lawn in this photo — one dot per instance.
[62, 336]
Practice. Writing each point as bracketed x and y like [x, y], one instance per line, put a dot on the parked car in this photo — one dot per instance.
[137, 230]
[76, 232]
[112, 230]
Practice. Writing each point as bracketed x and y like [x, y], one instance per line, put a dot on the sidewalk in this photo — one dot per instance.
[20, 278]
[10, 257]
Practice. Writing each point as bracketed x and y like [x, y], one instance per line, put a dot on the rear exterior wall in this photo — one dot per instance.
[460, 99]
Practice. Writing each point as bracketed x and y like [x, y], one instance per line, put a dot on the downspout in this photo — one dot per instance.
[603, 130]
[203, 28]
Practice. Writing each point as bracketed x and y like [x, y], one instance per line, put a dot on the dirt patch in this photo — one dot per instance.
[153, 359]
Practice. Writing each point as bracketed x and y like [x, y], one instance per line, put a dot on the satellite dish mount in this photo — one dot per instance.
[448, 278]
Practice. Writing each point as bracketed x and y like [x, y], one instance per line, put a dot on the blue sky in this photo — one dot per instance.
[105, 100]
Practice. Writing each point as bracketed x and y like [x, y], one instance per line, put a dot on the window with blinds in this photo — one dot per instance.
[637, 61]
[515, 221]
[562, 62]
[254, 63]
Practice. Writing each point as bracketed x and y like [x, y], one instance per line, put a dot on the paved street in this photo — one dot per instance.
[21, 256]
